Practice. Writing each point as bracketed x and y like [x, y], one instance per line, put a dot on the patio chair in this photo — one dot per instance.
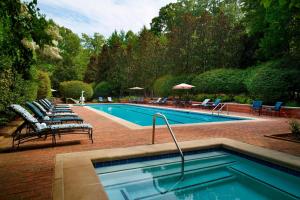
[275, 109]
[37, 130]
[100, 99]
[109, 99]
[53, 109]
[155, 101]
[163, 101]
[257, 106]
[51, 119]
[204, 103]
[52, 113]
[56, 105]
[213, 105]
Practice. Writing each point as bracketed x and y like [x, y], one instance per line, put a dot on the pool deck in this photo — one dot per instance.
[29, 173]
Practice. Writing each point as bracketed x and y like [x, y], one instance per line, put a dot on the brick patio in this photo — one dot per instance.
[28, 173]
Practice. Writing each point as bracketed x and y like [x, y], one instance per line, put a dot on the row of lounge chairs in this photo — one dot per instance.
[160, 101]
[48, 120]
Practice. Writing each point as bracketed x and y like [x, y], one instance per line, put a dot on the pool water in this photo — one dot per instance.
[217, 175]
[142, 115]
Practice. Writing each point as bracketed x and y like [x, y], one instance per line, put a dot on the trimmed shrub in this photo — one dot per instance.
[72, 89]
[44, 85]
[163, 86]
[268, 83]
[220, 81]
[102, 89]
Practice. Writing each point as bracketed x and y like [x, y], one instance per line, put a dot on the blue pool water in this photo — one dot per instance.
[214, 175]
[142, 115]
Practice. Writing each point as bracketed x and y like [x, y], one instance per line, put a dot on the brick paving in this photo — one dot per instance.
[29, 173]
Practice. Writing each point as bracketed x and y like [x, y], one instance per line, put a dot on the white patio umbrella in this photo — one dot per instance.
[53, 90]
[136, 88]
[183, 86]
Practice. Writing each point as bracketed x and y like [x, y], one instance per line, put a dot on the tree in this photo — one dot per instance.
[93, 44]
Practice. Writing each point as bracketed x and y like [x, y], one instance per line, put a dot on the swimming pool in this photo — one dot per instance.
[217, 174]
[142, 115]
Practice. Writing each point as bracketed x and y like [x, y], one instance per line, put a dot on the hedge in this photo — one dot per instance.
[269, 83]
[102, 89]
[44, 85]
[72, 89]
[228, 81]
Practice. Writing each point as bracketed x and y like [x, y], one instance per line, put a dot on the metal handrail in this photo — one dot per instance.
[212, 111]
[172, 134]
[221, 108]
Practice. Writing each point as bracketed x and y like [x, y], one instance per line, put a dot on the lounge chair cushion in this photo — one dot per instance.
[46, 118]
[70, 126]
[41, 127]
[24, 113]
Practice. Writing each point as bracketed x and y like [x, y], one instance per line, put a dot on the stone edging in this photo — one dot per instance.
[75, 176]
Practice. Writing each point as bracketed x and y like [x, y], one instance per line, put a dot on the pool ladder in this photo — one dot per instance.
[221, 109]
[173, 136]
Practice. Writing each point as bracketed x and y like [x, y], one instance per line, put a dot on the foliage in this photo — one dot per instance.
[93, 44]
[295, 128]
[226, 81]
[74, 58]
[201, 97]
[242, 99]
[102, 89]
[275, 25]
[23, 31]
[44, 85]
[72, 89]
[163, 86]
[15, 90]
[268, 83]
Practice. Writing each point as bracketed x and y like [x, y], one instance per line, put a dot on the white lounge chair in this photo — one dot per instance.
[109, 99]
[204, 103]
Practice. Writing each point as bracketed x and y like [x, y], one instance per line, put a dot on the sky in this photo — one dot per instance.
[102, 16]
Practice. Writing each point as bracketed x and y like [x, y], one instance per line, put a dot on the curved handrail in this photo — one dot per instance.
[172, 134]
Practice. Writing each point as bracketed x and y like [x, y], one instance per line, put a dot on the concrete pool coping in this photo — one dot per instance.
[134, 126]
[76, 178]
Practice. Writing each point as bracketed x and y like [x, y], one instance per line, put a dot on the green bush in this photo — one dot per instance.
[268, 83]
[201, 97]
[295, 128]
[220, 81]
[242, 99]
[163, 86]
[44, 85]
[225, 97]
[72, 89]
[102, 89]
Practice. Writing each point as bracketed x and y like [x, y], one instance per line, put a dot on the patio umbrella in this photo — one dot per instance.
[136, 88]
[183, 86]
[53, 90]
